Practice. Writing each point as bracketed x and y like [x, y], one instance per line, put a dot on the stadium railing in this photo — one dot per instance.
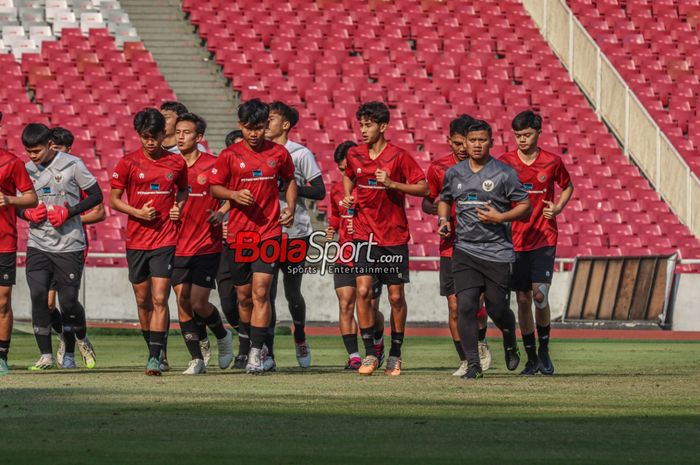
[614, 102]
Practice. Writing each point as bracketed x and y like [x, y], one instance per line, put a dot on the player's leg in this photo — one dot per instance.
[245, 310]
[269, 347]
[344, 284]
[226, 290]
[378, 321]
[467, 306]
[188, 327]
[542, 271]
[399, 311]
[160, 321]
[484, 353]
[260, 319]
[522, 285]
[365, 319]
[67, 273]
[497, 299]
[447, 289]
[291, 279]
[56, 323]
[139, 277]
[5, 320]
[39, 273]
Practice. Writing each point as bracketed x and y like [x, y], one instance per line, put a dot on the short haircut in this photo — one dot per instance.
[460, 125]
[36, 134]
[253, 112]
[527, 119]
[480, 125]
[176, 107]
[149, 121]
[376, 112]
[289, 114]
[62, 136]
[199, 123]
[232, 136]
[341, 151]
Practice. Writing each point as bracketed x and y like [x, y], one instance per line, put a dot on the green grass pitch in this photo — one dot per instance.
[610, 402]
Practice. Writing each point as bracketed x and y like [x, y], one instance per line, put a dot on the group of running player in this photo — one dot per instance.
[191, 217]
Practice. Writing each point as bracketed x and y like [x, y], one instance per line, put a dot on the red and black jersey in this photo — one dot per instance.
[13, 179]
[340, 217]
[436, 179]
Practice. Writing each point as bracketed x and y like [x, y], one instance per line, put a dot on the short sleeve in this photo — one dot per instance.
[446, 192]
[410, 169]
[434, 182]
[286, 171]
[83, 176]
[514, 190]
[308, 167]
[20, 177]
[182, 180]
[221, 172]
[561, 175]
[120, 176]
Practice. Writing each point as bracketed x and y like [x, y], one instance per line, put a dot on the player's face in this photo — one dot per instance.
[151, 143]
[276, 126]
[458, 144]
[61, 148]
[342, 165]
[254, 135]
[39, 154]
[527, 139]
[187, 137]
[371, 131]
[170, 120]
[478, 145]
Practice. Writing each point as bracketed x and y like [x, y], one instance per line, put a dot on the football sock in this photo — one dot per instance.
[468, 305]
[201, 327]
[215, 324]
[146, 336]
[156, 343]
[4, 349]
[270, 341]
[396, 343]
[530, 347]
[460, 350]
[543, 336]
[190, 333]
[69, 338]
[243, 338]
[257, 336]
[482, 334]
[56, 323]
[350, 342]
[367, 335]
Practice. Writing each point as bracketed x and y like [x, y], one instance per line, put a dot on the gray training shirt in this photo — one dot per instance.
[305, 170]
[58, 183]
[496, 183]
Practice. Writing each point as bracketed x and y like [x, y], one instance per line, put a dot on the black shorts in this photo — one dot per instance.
[242, 271]
[343, 276]
[470, 272]
[294, 269]
[66, 268]
[447, 280]
[144, 264]
[8, 268]
[200, 270]
[533, 267]
[390, 263]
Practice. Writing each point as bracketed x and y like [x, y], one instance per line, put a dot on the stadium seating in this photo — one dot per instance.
[431, 61]
[655, 47]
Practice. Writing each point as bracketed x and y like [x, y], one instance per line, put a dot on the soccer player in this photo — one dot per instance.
[155, 181]
[535, 240]
[436, 174]
[171, 111]
[13, 179]
[484, 190]
[340, 220]
[383, 174]
[198, 249]
[233, 137]
[309, 186]
[63, 142]
[56, 246]
[246, 174]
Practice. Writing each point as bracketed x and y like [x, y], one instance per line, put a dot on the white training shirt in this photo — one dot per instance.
[305, 170]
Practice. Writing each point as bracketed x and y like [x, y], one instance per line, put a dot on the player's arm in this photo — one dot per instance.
[488, 214]
[316, 190]
[95, 215]
[348, 186]
[444, 207]
[551, 209]
[28, 199]
[333, 220]
[419, 189]
[147, 212]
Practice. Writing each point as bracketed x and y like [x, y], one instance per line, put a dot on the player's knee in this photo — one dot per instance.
[541, 296]
[260, 294]
[4, 305]
[397, 300]
[364, 292]
[523, 299]
[160, 300]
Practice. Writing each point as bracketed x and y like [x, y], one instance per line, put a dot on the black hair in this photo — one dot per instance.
[36, 134]
[199, 123]
[0, 116]
[289, 114]
[62, 136]
[341, 151]
[232, 136]
[176, 107]
[376, 112]
[460, 125]
[253, 112]
[527, 119]
[480, 125]
[149, 121]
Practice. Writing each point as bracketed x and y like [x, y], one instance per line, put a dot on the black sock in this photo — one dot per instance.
[257, 337]
[4, 349]
[146, 336]
[299, 333]
[69, 339]
[80, 332]
[396, 342]
[270, 341]
[190, 333]
[460, 350]
[482, 334]
[509, 338]
[156, 343]
[378, 334]
[350, 341]
[543, 336]
[367, 335]
[43, 339]
[201, 327]
[56, 323]
[214, 323]
[530, 347]
[243, 338]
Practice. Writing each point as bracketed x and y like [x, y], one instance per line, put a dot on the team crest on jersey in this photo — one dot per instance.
[169, 176]
[141, 175]
[202, 179]
[271, 163]
[542, 177]
[487, 185]
[58, 178]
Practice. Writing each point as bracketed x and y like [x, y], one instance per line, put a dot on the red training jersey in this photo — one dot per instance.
[380, 210]
[13, 178]
[340, 217]
[538, 179]
[237, 168]
[197, 235]
[436, 179]
[147, 180]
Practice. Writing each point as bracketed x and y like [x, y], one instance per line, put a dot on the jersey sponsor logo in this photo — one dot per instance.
[202, 179]
[189, 189]
[528, 186]
[471, 197]
[46, 190]
[371, 182]
[257, 173]
[487, 185]
[154, 187]
[169, 176]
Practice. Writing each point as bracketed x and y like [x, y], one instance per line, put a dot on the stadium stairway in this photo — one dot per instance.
[198, 83]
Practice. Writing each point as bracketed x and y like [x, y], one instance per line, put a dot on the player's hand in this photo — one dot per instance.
[489, 215]
[243, 197]
[287, 217]
[57, 215]
[147, 212]
[348, 201]
[215, 217]
[175, 212]
[4, 200]
[330, 233]
[550, 210]
[383, 178]
[37, 214]
[445, 228]
[351, 229]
